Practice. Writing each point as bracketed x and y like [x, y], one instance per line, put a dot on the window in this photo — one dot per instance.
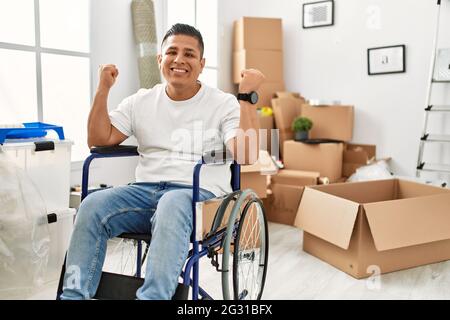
[203, 15]
[45, 65]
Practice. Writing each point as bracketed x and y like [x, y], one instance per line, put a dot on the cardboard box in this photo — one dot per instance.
[356, 156]
[258, 33]
[282, 204]
[330, 122]
[266, 123]
[267, 91]
[325, 158]
[255, 176]
[285, 110]
[288, 94]
[269, 62]
[387, 224]
[255, 181]
[286, 191]
[206, 213]
[295, 177]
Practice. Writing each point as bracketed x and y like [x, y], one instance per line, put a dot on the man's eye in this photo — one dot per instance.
[171, 52]
[190, 55]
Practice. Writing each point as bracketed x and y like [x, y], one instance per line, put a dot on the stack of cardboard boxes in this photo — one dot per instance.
[258, 44]
[307, 164]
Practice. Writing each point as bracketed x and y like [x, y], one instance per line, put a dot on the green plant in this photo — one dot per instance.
[302, 124]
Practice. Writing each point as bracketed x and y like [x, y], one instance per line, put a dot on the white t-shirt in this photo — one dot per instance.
[172, 135]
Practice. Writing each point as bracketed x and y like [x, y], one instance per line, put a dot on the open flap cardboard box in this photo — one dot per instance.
[356, 156]
[286, 191]
[330, 122]
[285, 110]
[255, 176]
[325, 158]
[267, 91]
[386, 224]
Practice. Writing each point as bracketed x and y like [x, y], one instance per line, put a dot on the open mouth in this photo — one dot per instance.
[179, 70]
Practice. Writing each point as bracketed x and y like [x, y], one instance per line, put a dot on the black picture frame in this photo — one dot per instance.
[317, 4]
[378, 59]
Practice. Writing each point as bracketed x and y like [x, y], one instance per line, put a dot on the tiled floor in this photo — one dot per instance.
[294, 274]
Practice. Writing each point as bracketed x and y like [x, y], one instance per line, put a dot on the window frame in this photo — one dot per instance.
[38, 50]
[166, 26]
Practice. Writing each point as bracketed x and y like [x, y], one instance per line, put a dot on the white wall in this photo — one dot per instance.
[330, 63]
[327, 62]
[112, 41]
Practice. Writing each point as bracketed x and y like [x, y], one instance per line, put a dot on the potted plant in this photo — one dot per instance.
[301, 127]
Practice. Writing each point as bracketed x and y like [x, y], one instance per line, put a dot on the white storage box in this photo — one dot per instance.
[48, 169]
[60, 233]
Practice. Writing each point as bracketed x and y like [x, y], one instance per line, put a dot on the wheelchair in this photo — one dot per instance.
[239, 233]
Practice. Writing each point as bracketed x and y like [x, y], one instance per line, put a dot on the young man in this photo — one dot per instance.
[174, 123]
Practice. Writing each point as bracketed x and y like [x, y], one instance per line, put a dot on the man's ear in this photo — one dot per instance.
[159, 59]
[202, 63]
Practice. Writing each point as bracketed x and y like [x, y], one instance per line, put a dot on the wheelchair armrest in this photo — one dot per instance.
[118, 149]
[217, 156]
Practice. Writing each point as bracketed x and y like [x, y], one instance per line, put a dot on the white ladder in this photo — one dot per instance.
[426, 137]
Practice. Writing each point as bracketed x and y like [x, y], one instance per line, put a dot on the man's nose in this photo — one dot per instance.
[179, 58]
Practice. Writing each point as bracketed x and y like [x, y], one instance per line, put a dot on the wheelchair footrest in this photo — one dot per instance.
[181, 293]
[115, 286]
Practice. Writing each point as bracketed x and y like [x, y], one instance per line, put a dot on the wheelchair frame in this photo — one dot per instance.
[199, 248]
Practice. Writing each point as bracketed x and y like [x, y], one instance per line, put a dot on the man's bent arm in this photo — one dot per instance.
[245, 146]
[100, 130]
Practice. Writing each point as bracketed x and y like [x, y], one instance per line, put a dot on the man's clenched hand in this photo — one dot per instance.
[251, 80]
[107, 74]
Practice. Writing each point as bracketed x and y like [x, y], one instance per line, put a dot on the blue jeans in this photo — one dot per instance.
[164, 209]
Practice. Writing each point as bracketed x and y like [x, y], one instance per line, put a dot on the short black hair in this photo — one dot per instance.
[181, 28]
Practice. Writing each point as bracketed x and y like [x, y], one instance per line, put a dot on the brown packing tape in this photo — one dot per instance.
[323, 180]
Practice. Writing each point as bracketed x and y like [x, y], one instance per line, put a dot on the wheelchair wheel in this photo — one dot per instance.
[249, 250]
[122, 258]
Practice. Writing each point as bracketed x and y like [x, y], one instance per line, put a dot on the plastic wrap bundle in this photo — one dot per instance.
[24, 234]
[144, 27]
[378, 170]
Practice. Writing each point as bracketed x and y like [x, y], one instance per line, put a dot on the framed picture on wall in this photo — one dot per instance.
[318, 14]
[386, 60]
